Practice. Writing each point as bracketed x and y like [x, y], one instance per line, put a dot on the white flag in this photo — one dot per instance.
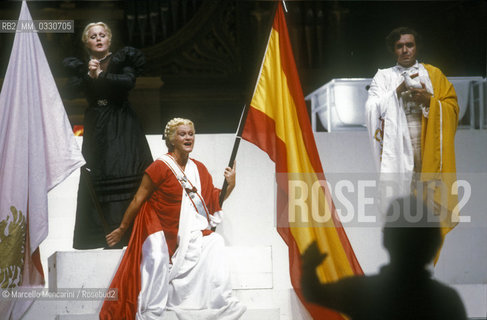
[37, 151]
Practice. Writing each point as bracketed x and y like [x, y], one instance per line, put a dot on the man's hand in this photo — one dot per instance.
[421, 96]
[402, 87]
[114, 237]
[312, 257]
[310, 284]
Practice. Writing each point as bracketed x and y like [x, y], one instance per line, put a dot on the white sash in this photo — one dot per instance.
[193, 214]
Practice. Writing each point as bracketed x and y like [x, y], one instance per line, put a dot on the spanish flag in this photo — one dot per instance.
[277, 122]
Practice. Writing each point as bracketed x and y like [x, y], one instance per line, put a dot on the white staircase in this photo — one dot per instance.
[92, 271]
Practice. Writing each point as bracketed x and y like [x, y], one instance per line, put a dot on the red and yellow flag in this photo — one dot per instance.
[278, 123]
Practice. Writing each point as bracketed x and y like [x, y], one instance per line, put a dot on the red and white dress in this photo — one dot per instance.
[173, 260]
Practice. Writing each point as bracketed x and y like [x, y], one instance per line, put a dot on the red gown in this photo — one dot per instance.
[160, 212]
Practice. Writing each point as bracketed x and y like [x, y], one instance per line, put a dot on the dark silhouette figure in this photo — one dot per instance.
[403, 289]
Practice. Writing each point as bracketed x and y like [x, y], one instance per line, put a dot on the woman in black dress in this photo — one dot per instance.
[114, 144]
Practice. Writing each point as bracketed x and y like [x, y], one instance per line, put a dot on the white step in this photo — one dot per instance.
[251, 268]
[250, 314]
[81, 270]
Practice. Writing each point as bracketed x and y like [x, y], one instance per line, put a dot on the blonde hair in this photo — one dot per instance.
[86, 31]
[170, 130]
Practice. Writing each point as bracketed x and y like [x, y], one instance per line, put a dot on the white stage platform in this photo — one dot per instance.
[93, 269]
[259, 256]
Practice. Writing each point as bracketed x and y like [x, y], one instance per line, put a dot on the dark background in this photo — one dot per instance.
[203, 55]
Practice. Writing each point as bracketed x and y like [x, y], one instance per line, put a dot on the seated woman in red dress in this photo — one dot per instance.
[174, 261]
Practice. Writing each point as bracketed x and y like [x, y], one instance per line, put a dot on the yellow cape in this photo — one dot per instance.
[438, 147]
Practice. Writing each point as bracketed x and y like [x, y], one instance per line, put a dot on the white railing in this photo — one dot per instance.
[340, 103]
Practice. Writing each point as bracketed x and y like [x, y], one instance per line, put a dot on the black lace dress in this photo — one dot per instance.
[114, 145]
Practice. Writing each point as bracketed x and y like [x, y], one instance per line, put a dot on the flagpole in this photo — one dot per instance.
[243, 117]
[236, 144]
[284, 5]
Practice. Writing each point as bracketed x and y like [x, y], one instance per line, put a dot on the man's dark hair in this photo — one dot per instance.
[396, 34]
